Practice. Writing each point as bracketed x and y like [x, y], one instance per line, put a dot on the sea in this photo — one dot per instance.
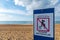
[21, 22]
[57, 22]
[16, 22]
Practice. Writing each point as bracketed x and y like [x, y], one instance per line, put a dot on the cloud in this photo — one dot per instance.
[53, 2]
[30, 5]
[13, 11]
[18, 2]
[35, 4]
[57, 10]
[6, 17]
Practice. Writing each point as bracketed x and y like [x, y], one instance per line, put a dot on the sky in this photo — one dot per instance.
[22, 10]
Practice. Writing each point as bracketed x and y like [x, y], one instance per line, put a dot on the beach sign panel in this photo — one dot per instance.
[44, 24]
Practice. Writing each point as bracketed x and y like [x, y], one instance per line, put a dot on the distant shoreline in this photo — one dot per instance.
[21, 22]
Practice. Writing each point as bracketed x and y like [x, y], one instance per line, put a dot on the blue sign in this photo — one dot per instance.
[44, 24]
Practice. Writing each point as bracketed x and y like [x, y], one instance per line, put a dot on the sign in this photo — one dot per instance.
[44, 24]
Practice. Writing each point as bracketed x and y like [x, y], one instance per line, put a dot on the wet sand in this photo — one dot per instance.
[22, 32]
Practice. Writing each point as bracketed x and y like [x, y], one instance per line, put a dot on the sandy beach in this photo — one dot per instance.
[22, 32]
[16, 32]
[57, 31]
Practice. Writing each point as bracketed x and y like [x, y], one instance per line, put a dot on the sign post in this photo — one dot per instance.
[44, 24]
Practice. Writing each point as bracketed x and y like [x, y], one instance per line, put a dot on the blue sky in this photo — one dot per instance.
[22, 10]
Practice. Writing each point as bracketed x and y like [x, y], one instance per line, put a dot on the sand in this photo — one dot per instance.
[57, 31]
[22, 32]
[16, 32]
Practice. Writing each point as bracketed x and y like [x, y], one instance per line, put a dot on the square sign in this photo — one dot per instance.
[44, 24]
